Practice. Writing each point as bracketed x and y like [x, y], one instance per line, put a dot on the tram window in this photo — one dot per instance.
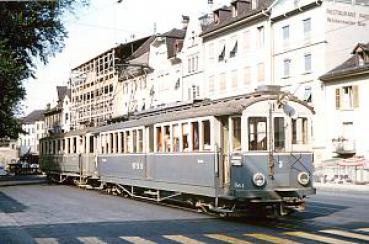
[116, 142]
[236, 135]
[300, 131]
[206, 135]
[159, 146]
[74, 145]
[91, 144]
[129, 142]
[134, 140]
[195, 136]
[176, 137]
[54, 148]
[122, 141]
[140, 141]
[151, 139]
[111, 144]
[185, 137]
[68, 145]
[258, 133]
[279, 134]
[167, 143]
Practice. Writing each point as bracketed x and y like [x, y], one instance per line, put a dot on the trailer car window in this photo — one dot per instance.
[258, 133]
[134, 141]
[300, 131]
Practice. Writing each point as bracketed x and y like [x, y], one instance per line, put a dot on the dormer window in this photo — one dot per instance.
[254, 4]
[234, 10]
[216, 18]
[361, 59]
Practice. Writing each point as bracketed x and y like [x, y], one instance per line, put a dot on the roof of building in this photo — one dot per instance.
[36, 115]
[229, 19]
[144, 48]
[174, 33]
[351, 66]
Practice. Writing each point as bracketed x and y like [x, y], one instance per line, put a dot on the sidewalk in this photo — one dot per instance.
[341, 187]
[22, 180]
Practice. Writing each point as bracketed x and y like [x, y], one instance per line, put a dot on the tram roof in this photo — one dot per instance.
[220, 107]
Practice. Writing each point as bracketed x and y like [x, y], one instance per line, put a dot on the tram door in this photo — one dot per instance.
[224, 142]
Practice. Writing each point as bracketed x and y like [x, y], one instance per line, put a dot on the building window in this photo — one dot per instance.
[258, 133]
[279, 134]
[234, 80]
[234, 50]
[286, 32]
[246, 40]
[347, 97]
[260, 37]
[307, 26]
[247, 75]
[286, 68]
[222, 81]
[222, 52]
[307, 62]
[211, 85]
[261, 72]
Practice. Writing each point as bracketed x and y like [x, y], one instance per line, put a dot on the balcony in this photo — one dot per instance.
[344, 147]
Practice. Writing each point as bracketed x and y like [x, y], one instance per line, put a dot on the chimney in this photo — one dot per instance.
[185, 21]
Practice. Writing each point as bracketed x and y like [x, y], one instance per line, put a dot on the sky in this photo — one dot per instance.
[101, 26]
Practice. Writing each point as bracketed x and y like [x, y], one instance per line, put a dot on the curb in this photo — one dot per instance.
[23, 182]
[341, 187]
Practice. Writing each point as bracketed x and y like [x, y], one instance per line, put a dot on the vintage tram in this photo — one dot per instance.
[228, 155]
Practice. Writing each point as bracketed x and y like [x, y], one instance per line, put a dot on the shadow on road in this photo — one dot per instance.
[10, 205]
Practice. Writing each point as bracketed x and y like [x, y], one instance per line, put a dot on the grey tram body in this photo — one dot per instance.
[218, 173]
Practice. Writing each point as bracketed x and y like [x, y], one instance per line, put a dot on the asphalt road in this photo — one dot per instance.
[64, 214]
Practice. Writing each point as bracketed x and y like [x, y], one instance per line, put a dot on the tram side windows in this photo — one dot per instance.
[91, 149]
[185, 137]
[122, 142]
[74, 145]
[300, 131]
[279, 134]
[195, 136]
[151, 139]
[176, 138]
[134, 141]
[206, 135]
[159, 146]
[140, 141]
[236, 134]
[258, 140]
[129, 142]
[167, 144]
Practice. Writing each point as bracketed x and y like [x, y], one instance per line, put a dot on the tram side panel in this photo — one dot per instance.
[187, 173]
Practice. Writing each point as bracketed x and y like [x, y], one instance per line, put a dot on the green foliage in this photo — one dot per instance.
[29, 31]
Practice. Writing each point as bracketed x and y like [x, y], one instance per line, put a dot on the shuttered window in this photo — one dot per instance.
[355, 93]
[338, 98]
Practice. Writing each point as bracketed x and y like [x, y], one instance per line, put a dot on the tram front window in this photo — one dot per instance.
[279, 134]
[258, 140]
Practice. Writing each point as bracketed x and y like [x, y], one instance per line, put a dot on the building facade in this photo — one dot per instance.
[346, 105]
[34, 127]
[58, 118]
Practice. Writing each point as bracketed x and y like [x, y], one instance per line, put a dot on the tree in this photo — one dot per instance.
[30, 31]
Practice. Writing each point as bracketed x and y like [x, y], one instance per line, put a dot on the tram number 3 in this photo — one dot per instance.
[137, 166]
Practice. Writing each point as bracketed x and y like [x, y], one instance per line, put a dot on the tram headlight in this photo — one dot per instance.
[303, 178]
[259, 179]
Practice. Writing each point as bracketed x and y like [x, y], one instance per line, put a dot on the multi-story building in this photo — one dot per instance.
[308, 38]
[236, 48]
[346, 105]
[57, 118]
[34, 127]
[94, 85]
